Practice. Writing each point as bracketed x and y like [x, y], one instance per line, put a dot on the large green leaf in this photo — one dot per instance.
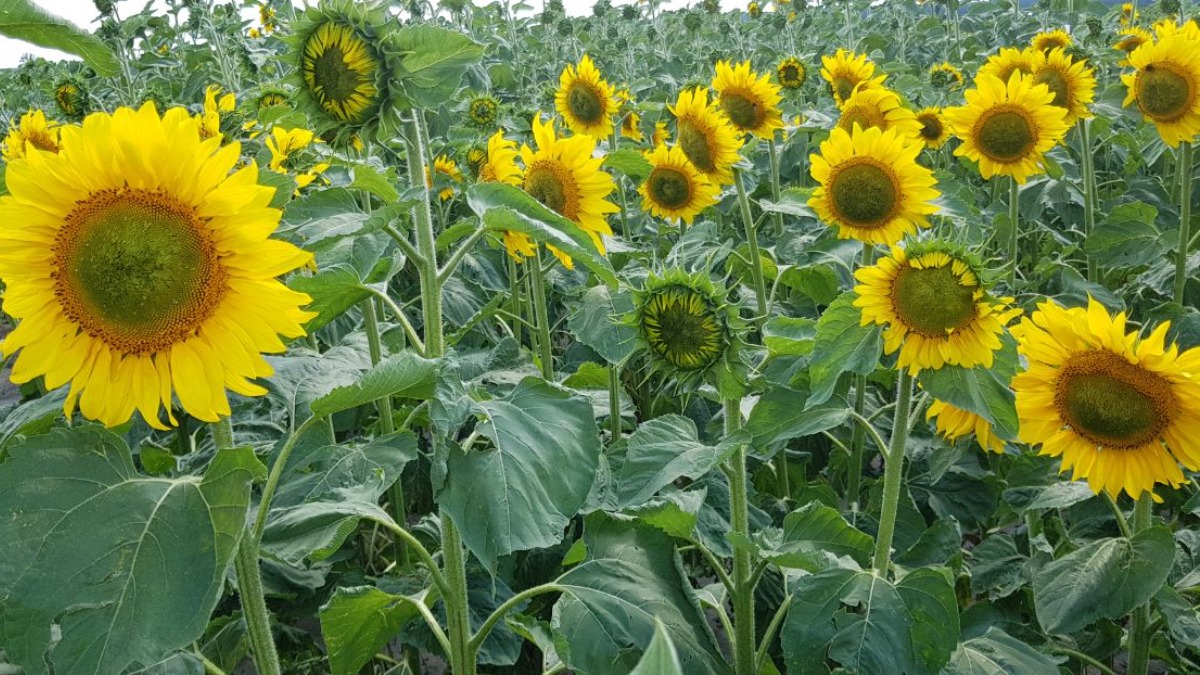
[596, 322]
[998, 653]
[783, 413]
[983, 391]
[843, 345]
[1106, 579]
[660, 658]
[1127, 237]
[358, 622]
[815, 529]
[23, 20]
[664, 449]
[870, 626]
[433, 61]
[129, 567]
[521, 492]
[404, 375]
[631, 580]
[504, 207]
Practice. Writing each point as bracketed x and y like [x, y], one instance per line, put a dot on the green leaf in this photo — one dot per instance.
[433, 61]
[660, 658]
[504, 207]
[998, 653]
[983, 391]
[786, 336]
[348, 265]
[1053, 496]
[1127, 237]
[403, 375]
[782, 414]
[843, 345]
[23, 20]
[664, 449]
[629, 162]
[520, 493]
[613, 601]
[358, 622]
[129, 567]
[1106, 579]
[792, 202]
[910, 627]
[316, 530]
[596, 322]
[379, 184]
[814, 529]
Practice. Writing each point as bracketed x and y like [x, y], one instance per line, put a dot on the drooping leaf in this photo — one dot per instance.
[1127, 237]
[983, 391]
[660, 658]
[595, 321]
[433, 61]
[783, 413]
[358, 622]
[843, 345]
[24, 20]
[815, 529]
[664, 449]
[403, 375]
[629, 162]
[998, 653]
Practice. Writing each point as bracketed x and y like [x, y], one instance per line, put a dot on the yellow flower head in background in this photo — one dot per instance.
[1072, 82]
[880, 109]
[934, 131]
[215, 103]
[32, 129]
[1131, 39]
[750, 101]
[1005, 62]
[447, 167]
[954, 423]
[139, 268]
[1048, 41]
[1166, 86]
[585, 101]
[674, 188]
[704, 132]
[845, 71]
[791, 73]
[339, 69]
[631, 127]
[946, 75]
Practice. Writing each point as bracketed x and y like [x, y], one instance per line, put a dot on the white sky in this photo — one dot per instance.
[82, 13]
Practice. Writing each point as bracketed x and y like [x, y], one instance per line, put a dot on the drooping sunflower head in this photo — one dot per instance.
[585, 100]
[934, 130]
[1132, 38]
[33, 129]
[1007, 127]
[946, 75]
[71, 97]
[1128, 13]
[750, 101]
[482, 111]
[1120, 411]
[139, 266]
[880, 109]
[1048, 41]
[1072, 82]
[1007, 61]
[846, 71]
[870, 186]
[271, 97]
[685, 323]
[660, 134]
[1166, 86]
[933, 306]
[791, 73]
[707, 137]
[631, 127]
[954, 423]
[675, 188]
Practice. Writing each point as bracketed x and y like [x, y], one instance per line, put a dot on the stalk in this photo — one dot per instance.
[386, 424]
[1089, 191]
[614, 400]
[743, 588]
[1014, 213]
[1185, 219]
[893, 475]
[756, 273]
[514, 300]
[1140, 633]
[858, 435]
[541, 315]
[773, 154]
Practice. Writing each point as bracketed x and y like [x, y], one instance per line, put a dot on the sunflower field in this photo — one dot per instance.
[787, 338]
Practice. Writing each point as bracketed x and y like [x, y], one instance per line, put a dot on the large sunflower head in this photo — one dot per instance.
[674, 188]
[934, 130]
[933, 306]
[1007, 126]
[750, 101]
[946, 75]
[1048, 41]
[1119, 410]
[585, 101]
[954, 423]
[706, 135]
[1007, 61]
[846, 71]
[1166, 86]
[31, 130]
[880, 109]
[139, 266]
[870, 186]
[791, 72]
[1072, 82]
[685, 322]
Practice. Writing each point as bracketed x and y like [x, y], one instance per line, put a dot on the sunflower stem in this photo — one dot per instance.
[614, 401]
[1141, 631]
[743, 588]
[386, 424]
[541, 316]
[773, 154]
[514, 300]
[1014, 213]
[1185, 219]
[893, 475]
[249, 579]
[1089, 191]
[620, 183]
[756, 273]
[858, 437]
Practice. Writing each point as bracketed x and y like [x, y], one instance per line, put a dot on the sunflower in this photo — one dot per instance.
[71, 99]
[946, 76]
[1007, 127]
[32, 129]
[674, 188]
[880, 109]
[285, 145]
[631, 127]
[846, 71]
[447, 167]
[684, 321]
[137, 266]
[706, 136]
[498, 164]
[954, 423]
[870, 186]
[1166, 87]
[750, 101]
[1048, 41]
[753, 9]
[791, 73]
[585, 101]
[1114, 407]
[214, 107]
[1169, 27]
[1128, 14]
[934, 131]
[1132, 38]
[660, 134]
[482, 111]
[1007, 61]
[271, 98]
[1072, 82]
[933, 308]
[340, 67]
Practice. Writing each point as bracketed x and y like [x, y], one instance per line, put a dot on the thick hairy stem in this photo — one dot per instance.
[1141, 632]
[1014, 214]
[893, 475]
[756, 273]
[1185, 219]
[743, 590]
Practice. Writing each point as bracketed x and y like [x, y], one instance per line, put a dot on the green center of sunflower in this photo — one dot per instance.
[931, 127]
[1005, 135]
[1112, 402]
[544, 184]
[482, 111]
[681, 327]
[67, 97]
[337, 81]
[1057, 84]
[1162, 93]
[864, 194]
[932, 301]
[584, 103]
[789, 75]
[695, 146]
[136, 269]
[744, 112]
[669, 187]
[271, 99]
[843, 87]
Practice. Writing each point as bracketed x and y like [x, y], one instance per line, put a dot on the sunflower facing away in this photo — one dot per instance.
[870, 186]
[1007, 61]
[791, 73]
[339, 68]
[138, 267]
[706, 136]
[1048, 41]
[683, 319]
[934, 131]
[498, 164]
[933, 308]
[674, 188]
[946, 76]
[1072, 82]
[954, 423]
[585, 101]
[1166, 86]
[1131, 39]
[71, 99]
[32, 129]
[749, 101]
[1114, 407]
[845, 71]
[1007, 128]
[881, 109]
